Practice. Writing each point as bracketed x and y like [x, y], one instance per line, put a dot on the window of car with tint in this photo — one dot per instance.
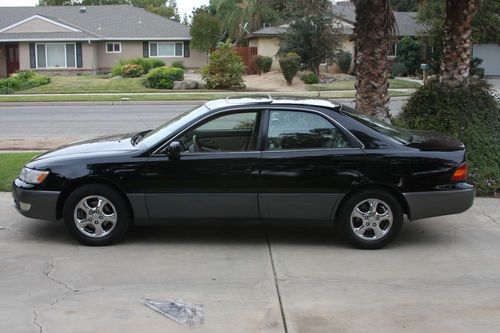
[227, 133]
[302, 130]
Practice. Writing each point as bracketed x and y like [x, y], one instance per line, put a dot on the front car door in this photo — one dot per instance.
[308, 162]
[216, 174]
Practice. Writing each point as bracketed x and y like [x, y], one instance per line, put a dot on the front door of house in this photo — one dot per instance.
[12, 55]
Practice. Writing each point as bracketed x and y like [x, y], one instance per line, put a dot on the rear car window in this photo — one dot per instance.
[396, 133]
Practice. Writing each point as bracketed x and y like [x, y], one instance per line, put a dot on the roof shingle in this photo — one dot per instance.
[114, 22]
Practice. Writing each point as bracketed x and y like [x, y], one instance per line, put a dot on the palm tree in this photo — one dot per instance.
[241, 16]
[374, 25]
[457, 44]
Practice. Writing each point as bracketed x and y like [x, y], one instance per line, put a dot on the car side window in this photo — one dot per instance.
[302, 130]
[227, 133]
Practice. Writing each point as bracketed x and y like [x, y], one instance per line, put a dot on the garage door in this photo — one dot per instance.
[490, 53]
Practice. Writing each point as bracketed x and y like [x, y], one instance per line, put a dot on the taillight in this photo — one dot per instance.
[460, 173]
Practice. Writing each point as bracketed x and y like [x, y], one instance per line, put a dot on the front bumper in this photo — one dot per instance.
[33, 203]
[438, 203]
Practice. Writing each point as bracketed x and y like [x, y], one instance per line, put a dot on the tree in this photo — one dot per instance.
[56, 2]
[374, 25]
[205, 30]
[240, 17]
[185, 19]
[313, 34]
[457, 46]
[485, 28]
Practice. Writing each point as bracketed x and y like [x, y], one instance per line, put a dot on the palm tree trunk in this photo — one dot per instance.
[457, 45]
[374, 23]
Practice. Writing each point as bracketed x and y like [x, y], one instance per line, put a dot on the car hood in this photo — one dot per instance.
[98, 146]
[430, 140]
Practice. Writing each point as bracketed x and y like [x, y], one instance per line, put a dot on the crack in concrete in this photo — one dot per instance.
[489, 217]
[35, 321]
[69, 291]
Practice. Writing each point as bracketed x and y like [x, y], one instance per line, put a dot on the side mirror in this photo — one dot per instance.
[174, 150]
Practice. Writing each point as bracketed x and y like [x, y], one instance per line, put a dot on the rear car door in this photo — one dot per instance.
[216, 174]
[307, 165]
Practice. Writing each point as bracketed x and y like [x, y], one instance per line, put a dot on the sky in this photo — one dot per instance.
[185, 6]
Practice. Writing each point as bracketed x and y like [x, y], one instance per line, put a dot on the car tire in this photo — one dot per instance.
[371, 219]
[96, 215]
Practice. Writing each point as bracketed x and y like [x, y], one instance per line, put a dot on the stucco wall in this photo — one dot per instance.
[269, 47]
[37, 25]
[107, 60]
[87, 59]
[134, 49]
[3, 62]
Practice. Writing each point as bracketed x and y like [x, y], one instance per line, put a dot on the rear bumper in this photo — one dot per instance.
[438, 203]
[35, 204]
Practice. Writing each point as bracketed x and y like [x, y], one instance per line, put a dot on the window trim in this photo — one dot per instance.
[207, 118]
[46, 59]
[155, 152]
[163, 42]
[114, 43]
[330, 120]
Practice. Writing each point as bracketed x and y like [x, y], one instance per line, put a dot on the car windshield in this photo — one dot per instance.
[396, 133]
[171, 126]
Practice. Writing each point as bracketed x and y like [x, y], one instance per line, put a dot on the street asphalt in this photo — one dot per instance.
[47, 125]
[441, 275]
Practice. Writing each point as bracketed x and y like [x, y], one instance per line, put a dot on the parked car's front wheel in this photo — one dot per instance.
[371, 219]
[96, 215]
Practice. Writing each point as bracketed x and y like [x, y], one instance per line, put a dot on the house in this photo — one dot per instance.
[267, 40]
[90, 39]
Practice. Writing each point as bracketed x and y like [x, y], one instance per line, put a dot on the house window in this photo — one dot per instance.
[55, 55]
[393, 48]
[113, 47]
[169, 49]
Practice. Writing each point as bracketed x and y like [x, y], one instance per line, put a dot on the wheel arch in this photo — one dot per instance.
[387, 188]
[89, 181]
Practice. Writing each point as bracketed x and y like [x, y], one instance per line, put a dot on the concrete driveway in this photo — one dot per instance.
[442, 275]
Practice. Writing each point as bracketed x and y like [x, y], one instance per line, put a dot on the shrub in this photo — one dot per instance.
[344, 59]
[146, 63]
[399, 69]
[410, 54]
[471, 114]
[289, 64]
[163, 77]
[22, 81]
[117, 70]
[178, 64]
[263, 63]
[310, 78]
[225, 70]
[130, 70]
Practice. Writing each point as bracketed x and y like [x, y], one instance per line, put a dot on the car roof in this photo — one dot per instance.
[268, 99]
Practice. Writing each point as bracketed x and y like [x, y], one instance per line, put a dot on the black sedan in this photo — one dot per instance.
[251, 159]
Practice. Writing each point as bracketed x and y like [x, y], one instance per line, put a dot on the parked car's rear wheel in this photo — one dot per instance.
[96, 215]
[371, 219]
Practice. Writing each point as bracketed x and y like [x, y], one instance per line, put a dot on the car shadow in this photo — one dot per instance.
[413, 234]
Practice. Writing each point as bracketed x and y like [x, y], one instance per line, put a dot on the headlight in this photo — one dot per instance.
[33, 176]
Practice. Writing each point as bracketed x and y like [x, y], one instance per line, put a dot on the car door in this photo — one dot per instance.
[307, 164]
[215, 175]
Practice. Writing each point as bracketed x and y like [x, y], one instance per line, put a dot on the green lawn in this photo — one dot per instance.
[88, 84]
[10, 166]
[81, 84]
[349, 85]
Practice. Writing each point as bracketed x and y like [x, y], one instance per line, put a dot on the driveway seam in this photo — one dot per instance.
[276, 283]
